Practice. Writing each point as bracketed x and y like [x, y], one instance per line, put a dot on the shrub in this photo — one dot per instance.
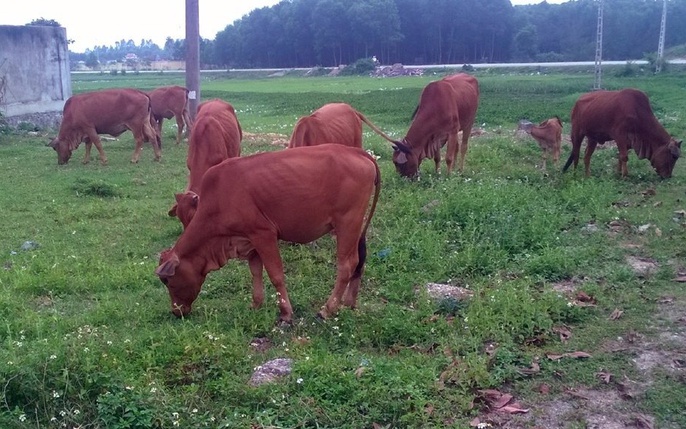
[360, 67]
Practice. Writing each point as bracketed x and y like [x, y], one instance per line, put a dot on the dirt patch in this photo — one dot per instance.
[265, 139]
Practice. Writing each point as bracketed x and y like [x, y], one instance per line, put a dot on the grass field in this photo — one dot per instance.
[556, 264]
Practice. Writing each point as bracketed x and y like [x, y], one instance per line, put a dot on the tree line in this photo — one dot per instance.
[308, 33]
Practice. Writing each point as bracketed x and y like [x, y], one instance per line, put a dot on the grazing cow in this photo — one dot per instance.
[548, 134]
[216, 136]
[332, 123]
[296, 195]
[446, 107]
[110, 111]
[626, 117]
[171, 102]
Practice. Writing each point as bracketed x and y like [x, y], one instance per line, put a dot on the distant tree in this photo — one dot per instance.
[92, 60]
[526, 43]
[45, 22]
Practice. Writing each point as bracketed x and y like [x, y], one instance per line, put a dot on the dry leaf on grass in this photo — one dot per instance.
[501, 402]
[681, 278]
[534, 368]
[604, 376]
[576, 355]
[563, 332]
[616, 314]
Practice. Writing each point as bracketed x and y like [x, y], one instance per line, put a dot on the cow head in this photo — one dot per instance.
[182, 279]
[664, 158]
[185, 207]
[63, 150]
[406, 163]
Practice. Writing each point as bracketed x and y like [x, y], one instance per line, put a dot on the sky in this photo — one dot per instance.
[91, 23]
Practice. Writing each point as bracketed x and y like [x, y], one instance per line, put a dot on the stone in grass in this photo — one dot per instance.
[271, 371]
[439, 291]
[450, 299]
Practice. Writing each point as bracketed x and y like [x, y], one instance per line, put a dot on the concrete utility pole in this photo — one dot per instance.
[599, 48]
[661, 43]
[192, 56]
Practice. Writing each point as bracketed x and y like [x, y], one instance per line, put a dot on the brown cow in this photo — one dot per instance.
[295, 195]
[110, 111]
[548, 134]
[171, 102]
[446, 107]
[216, 136]
[626, 117]
[332, 123]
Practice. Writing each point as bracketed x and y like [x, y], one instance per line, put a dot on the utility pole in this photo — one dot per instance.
[192, 56]
[661, 43]
[599, 48]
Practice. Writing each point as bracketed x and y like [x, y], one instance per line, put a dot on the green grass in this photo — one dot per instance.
[87, 337]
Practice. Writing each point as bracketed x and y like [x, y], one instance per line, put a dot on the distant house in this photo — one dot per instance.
[34, 74]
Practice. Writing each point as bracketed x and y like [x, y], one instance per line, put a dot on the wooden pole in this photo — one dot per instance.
[192, 56]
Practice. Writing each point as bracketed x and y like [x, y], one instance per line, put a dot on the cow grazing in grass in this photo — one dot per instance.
[548, 135]
[171, 102]
[296, 195]
[216, 136]
[332, 123]
[626, 117]
[110, 111]
[446, 107]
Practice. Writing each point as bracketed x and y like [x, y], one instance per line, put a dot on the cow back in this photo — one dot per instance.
[331, 123]
[302, 192]
[216, 136]
[168, 100]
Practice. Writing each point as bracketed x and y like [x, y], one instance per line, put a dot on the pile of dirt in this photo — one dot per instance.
[395, 70]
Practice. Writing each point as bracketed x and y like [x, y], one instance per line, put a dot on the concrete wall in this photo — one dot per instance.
[34, 73]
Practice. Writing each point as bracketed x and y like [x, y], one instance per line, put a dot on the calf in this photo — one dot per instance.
[548, 134]
[295, 195]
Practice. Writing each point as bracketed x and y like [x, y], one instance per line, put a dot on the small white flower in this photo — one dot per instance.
[299, 380]
[22, 418]
[53, 357]
[153, 390]
[63, 413]
[77, 412]
[195, 410]
[55, 394]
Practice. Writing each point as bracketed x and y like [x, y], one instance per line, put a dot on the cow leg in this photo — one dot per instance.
[87, 156]
[450, 152]
[179, 128]
[94, 139]
[590, 148]
[255, 264]
[350, 295]
[464, 145]
[623, 157]
[158, 123]
[346, 260]
[267, 248]
[137, 151]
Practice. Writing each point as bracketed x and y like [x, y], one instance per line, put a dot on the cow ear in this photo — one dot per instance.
[168, 267]
[53, 143]
[172, 210]
[675, 148]
[401, 158]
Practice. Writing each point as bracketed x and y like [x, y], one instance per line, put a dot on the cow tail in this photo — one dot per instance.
[152, 133]
[374, 127]
[573, 156]
[362, 243]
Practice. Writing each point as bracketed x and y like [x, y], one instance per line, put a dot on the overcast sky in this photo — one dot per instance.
[93, 23]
